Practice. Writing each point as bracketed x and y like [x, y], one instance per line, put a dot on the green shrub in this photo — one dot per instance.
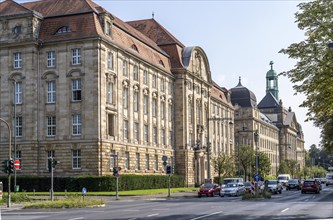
[94, 183]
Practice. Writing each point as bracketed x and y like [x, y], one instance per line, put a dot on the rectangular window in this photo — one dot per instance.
[51, 92]
[110, 60]
[18, 127]
[162, 85]
[136, 73]
[145, 77]
[113, 159]
[108, 28]
[125, 130]
[155, 135]
[51, 59]
[111, 124]
[154, 107]
[154, 81]
[17, 60]
[136, 101]
[145, 133]
[145, 104]
[76, 124]
[18, 93]
[156, 162]
[170, 112]
[76, 159]
[76, 56]
[170, 88]
[147, 162]
[136, 131]
[124, 68]
[51, 126]
[110, 92]
[170, 138]
[137, 161]
[127, 161]
[163, 136]
[125, 98]
[76, 90]
[162, 110]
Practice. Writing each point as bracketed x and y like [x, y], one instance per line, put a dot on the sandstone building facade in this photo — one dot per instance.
[82, 86]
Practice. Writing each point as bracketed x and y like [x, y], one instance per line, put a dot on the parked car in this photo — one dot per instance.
[248, 186]
[310, 185]
[329, 179]
[233, 189]
[231, 180]
[293, 184]
[209, 189]
[283, 178]
[274, 186]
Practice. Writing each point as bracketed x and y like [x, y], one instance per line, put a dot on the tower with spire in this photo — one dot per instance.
[272, 82]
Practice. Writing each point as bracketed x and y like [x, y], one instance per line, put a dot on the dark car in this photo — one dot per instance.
[293, 184]
[310, 186]
[209, 189]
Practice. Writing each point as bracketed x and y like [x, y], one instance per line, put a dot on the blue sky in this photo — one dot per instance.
[240, 38]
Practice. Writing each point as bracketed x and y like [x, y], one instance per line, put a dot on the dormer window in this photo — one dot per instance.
[64, 29]
[161, 63]
[134, 47]
[108, 28]
[17, 29]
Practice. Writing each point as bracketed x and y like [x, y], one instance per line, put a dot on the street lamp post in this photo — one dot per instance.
[9, 158]
[208, 149]
[14, 131]
[256, 139]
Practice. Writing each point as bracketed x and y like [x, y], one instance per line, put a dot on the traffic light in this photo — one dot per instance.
[4, 166]
[49, 164]
[11, 166]
[115, 171]
[168, 169]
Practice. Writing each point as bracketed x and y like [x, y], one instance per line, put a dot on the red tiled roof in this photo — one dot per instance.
[155, 31]
[219, 93]
[10, 7]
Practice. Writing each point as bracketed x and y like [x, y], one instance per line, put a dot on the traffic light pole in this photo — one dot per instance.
[52, 161]
[9, 158]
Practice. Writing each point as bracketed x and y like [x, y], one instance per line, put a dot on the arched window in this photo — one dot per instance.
[64, 29]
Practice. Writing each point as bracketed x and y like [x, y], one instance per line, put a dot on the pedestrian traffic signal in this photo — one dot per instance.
[168, 169]
[115, 171]
[4, 165]
[11, 166]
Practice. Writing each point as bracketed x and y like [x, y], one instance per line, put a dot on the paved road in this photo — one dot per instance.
[288, 205]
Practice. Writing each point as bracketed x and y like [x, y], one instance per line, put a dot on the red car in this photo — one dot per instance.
[209, 189]
[310, 186]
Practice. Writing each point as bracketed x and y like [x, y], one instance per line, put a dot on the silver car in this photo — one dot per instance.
[232, 189]
[274, 186]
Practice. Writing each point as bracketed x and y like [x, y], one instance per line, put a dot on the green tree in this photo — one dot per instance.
[223, 165]
[264, 165]
[313, 73]
[246, 159]
[283, 168]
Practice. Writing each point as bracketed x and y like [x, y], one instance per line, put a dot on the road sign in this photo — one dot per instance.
[84, 191]
[256, 178]
[17, 164]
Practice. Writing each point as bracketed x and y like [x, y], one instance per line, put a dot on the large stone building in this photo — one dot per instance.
[82, 86]
[280, 135]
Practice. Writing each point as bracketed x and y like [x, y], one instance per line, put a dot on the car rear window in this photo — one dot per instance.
[309, 182]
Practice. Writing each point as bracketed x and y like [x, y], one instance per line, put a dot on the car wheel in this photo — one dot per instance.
[302, 192]
[199, 196]
[221, 195]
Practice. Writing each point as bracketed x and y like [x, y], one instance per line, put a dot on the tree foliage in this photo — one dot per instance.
[223, 165]
[313, 73]
[264, 165]
[246, 159]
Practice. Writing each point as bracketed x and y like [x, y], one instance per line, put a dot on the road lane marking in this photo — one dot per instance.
[152, 215]
[285, 210]
[204, 216]
[76, 218]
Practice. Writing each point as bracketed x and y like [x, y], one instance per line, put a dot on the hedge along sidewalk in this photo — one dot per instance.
[113, 193]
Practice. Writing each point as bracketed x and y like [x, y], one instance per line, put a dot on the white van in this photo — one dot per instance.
[231, 180]
[283, 178]
[329, 179]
